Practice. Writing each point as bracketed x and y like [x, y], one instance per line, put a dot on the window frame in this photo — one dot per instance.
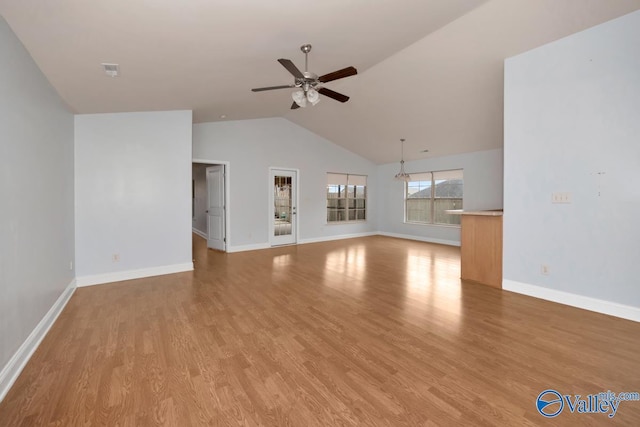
[350, 199]
[432, 199]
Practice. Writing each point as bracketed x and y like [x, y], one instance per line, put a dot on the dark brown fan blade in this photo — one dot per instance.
[290, 66]
[294, 106]
[340, 74]
[260, 89]
[333, 94]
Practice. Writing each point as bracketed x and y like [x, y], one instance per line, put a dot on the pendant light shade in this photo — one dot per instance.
[313, 96]
[402, 175]
[301, 97]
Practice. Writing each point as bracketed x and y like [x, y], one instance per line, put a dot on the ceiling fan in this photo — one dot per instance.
[309, 83]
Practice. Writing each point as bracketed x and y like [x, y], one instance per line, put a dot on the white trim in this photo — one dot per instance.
[14, 366]
[243, 248]
[199, 233]
[421, 238]
[118, 276]
[574, 300]
[337, 237]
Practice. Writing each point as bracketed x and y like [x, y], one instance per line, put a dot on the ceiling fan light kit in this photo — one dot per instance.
[301, 97]
[309, 84]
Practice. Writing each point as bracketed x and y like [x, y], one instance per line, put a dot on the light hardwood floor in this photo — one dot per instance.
[371, 331]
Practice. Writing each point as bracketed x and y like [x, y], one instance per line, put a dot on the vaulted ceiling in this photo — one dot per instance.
[430, 71]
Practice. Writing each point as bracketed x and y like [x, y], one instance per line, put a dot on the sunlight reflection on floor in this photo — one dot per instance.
[350, 263]
[429, 287]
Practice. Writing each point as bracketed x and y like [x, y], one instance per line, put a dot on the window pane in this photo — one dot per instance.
[450, 188]
[448, 193]
[335, 191]
[350, 191]
[346, 197]
[441, 205]
[419, 210]
[335, 215]
[419, 189]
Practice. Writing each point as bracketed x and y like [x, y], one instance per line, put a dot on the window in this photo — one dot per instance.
[429, 194]
[346, 197]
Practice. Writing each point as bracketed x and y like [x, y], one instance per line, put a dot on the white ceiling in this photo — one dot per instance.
[430, 71]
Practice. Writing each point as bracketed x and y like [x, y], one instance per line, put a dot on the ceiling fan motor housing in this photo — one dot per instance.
[310, 80]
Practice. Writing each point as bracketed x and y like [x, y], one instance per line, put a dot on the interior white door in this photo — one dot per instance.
[216, 236]
[283, 209]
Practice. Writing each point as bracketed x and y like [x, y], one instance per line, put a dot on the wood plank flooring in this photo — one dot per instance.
[372, 331]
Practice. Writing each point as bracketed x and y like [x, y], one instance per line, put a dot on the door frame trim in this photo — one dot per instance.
[271, 202]
[227, 199]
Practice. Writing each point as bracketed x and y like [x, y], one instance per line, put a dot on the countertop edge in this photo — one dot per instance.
[480, 213]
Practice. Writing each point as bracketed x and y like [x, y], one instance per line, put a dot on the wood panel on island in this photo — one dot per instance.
[481, 246]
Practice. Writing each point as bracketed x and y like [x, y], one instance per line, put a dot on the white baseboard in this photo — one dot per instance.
[243, 248]
[420, 238]
[199, 233]
[18, 361]
[337, 237]
[119, 276]
[574, 300]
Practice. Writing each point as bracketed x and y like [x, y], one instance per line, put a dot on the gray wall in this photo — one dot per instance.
[36, 195]
[572, 111]
[133, 193]
[482, 190]
[251, 147]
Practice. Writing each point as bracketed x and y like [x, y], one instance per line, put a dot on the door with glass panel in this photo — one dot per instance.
[283, 206]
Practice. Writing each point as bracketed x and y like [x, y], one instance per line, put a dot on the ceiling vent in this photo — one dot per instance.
[111, 70]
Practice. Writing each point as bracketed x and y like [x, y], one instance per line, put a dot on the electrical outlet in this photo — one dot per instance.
[115, 258]
[544, 270]
[70, 265]
[561, 197]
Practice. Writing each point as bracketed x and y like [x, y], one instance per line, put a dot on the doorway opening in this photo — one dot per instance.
[210, 207]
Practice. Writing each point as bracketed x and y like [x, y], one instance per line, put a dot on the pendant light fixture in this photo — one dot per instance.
[402, 175]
